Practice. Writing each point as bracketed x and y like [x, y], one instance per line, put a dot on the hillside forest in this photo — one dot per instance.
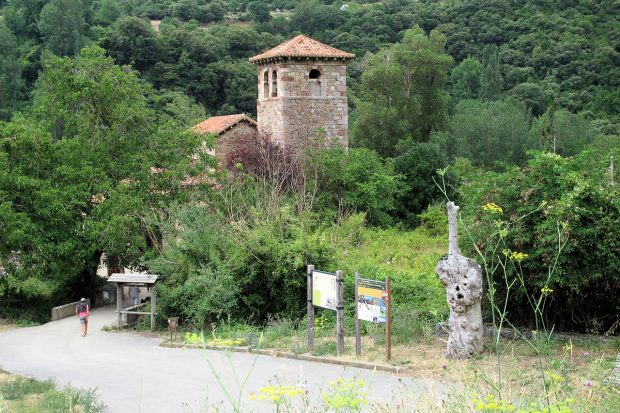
[510, 108]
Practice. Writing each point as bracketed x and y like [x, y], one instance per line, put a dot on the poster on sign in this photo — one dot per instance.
[324, 290]
[371, 300]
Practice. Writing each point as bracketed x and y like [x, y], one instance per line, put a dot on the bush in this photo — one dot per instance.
[357, 181]
[553, 196]
[252, 273]
[418, 166]
[199, 287]
[434, 221]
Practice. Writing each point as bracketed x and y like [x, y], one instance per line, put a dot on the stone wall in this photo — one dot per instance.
[66, 310]
[225, 139]
[269, 118]
[306, 118]
[304, 105]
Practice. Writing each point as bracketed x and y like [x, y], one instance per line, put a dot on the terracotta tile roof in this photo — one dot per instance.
[302, 46]
[218, 124]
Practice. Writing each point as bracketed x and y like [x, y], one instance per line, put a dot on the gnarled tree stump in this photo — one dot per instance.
[462, 278]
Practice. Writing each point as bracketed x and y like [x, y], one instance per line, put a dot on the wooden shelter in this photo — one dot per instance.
[138, 280]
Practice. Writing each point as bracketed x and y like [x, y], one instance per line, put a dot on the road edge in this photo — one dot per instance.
[291, 355]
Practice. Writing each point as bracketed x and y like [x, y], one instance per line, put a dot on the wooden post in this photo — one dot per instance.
[388, 319]
[119, 305]
[310, 310]
[153, 306]
[358, 337]
[340, 313]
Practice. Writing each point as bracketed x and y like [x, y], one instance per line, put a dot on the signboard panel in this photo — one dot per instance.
[371, 301]
[324, 290]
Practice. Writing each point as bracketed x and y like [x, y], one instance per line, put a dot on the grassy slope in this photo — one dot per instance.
[25, 395]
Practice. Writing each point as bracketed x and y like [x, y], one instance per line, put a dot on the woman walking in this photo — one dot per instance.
[82, 311]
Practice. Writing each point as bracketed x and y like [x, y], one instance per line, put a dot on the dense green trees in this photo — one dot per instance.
[107, 12]
[62, 26]
[465, 79]
[555, 197]
[489, 132]
[76, 177]
[482, 85]
[358, 180]
[540, 53]
[11, 83]
[403, 94]
[419, 165]
[131, 40]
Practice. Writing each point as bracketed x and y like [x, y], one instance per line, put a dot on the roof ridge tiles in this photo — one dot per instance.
[302, 46]
[218, 124]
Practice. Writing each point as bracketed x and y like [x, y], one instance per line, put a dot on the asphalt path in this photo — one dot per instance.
[132, 373]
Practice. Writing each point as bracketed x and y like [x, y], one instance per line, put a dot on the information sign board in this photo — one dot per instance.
[371, 300]
[324, 290]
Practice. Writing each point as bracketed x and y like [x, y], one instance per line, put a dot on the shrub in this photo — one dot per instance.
[357, 181]
[254, 272]
[198, 287]
[418, 166]
[434, 221]
[552, 196]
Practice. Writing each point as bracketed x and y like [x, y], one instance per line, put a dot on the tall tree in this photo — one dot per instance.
[63, 27]
[22, 17]
[88, 173]
[260, 11]
[404, 94]
[465, 79]
[11, 83]
[490, 76]
[418, 166]
[490, 132]
[131, 40]
[108, 12]
[561, 132]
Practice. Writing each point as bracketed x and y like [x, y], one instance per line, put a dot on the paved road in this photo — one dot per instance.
[133, 374]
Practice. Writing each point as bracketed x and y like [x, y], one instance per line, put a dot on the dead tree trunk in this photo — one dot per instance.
[462, 278]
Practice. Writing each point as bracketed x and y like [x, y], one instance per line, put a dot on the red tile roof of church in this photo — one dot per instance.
[218, 124]
[302, 46]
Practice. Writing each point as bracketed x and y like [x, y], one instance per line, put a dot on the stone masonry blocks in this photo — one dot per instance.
[303, 106]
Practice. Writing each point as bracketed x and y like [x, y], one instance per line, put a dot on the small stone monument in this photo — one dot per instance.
[462, 278]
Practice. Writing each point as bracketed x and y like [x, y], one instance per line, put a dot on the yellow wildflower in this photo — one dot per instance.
[518, 256]
[492, 208]
[546, 290]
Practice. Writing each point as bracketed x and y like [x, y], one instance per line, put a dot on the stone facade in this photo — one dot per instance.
[227, 129]
[226, 138]
[300, 99]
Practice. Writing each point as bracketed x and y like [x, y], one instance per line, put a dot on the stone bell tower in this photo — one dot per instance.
[302, 91]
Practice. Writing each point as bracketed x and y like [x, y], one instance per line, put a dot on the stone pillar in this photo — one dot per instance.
[153, 306]
[462, 278]
[119, 305]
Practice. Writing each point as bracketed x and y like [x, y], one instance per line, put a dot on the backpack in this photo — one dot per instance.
[82, 307]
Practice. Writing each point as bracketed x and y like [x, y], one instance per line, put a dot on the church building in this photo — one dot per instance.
[302, 94]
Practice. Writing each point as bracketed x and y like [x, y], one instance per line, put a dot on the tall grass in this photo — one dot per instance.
[26, 395]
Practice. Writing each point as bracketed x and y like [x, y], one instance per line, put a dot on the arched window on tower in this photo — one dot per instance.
[315, 82]
[266, 84]
[274, 84]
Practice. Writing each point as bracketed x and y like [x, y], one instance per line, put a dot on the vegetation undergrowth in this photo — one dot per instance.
[25, 395]
[504, 277]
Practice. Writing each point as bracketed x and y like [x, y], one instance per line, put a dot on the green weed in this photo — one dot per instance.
[327, 348]
[27, 395]
[21, 387]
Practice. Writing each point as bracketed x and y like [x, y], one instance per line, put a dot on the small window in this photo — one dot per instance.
[274, 84]
[315, 83]
[266, 84]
